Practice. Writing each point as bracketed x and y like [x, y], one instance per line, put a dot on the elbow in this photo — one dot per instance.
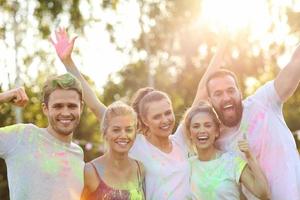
[262, 191]
[265, 194]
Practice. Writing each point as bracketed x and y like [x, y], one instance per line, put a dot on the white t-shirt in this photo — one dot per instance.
[167, 174]
[216, 179]
[270, 140]
[40, 166]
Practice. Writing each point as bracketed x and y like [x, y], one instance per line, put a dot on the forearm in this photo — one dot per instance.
[6, 97]
[260, 184]
[89, 96]
[287, 80]
[213, 66]
[3, 97]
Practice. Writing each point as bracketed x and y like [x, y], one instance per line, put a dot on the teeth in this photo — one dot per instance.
[228, 106]
[165, 127]
[202, 137]
[65, 120]
[122, 143]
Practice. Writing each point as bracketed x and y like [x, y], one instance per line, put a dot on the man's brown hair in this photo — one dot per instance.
[64, 81]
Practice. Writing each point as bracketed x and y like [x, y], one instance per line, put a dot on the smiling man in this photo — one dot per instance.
[259, 118]
[44, 163]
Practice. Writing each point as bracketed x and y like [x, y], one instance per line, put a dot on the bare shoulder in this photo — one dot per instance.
[91, 180]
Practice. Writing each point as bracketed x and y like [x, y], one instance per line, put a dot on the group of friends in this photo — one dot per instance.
[224, 147]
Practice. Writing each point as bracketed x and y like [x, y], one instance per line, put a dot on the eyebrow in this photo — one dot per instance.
[157, 115]
[115, 126]
[168, 110]
[198, 123]
[68, 103]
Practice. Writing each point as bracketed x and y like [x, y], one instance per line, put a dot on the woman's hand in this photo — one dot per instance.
[63, 45]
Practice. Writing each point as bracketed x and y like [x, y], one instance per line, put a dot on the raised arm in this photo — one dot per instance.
[10, 135]
[15, 96]
[64, 48]
[213, 66]
[252, 176]
[288, 78]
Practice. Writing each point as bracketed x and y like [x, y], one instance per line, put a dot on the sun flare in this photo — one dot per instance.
[235, 15]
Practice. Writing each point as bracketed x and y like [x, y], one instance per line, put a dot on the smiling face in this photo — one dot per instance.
[120, 133]
[63, 111]
[226, 99]
[159, 118]
[203, 130]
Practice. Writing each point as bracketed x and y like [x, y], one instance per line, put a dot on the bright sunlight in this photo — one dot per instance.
[235, 15]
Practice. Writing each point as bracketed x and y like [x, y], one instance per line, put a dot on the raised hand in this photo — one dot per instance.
[63, 46]
[17, 97]
[244, 147]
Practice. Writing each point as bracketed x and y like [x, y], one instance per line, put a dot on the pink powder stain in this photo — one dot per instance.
[178, 156]
[60, 154]
[252, 124]
[37, 155]
[271, 167]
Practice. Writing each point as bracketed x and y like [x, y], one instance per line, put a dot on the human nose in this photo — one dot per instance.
[65, 111]
[226, 96]
[167, 118]
[201, 129]
[123, 134]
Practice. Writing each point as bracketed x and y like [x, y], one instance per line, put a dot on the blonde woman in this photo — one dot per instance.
[115, 176]
[216, 174]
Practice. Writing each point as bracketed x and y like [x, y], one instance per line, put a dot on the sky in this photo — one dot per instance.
[98, 57]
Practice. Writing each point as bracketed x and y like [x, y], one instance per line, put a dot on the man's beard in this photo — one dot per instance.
[234, 120]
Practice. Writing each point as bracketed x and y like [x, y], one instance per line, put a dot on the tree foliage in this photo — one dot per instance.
[173, 51]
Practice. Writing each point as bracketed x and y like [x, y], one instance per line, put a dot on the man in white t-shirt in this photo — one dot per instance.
[259, 119]
[44, 163]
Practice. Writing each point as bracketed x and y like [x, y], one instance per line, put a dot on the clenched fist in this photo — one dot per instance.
[17, 97]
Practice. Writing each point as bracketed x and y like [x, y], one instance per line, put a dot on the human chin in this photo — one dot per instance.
[164, 133]
[65, 130]
[229, 114]
[227, 120]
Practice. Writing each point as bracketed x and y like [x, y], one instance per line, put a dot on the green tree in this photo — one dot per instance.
[172, 43]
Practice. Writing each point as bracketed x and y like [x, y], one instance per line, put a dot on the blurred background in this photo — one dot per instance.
[127, 44]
